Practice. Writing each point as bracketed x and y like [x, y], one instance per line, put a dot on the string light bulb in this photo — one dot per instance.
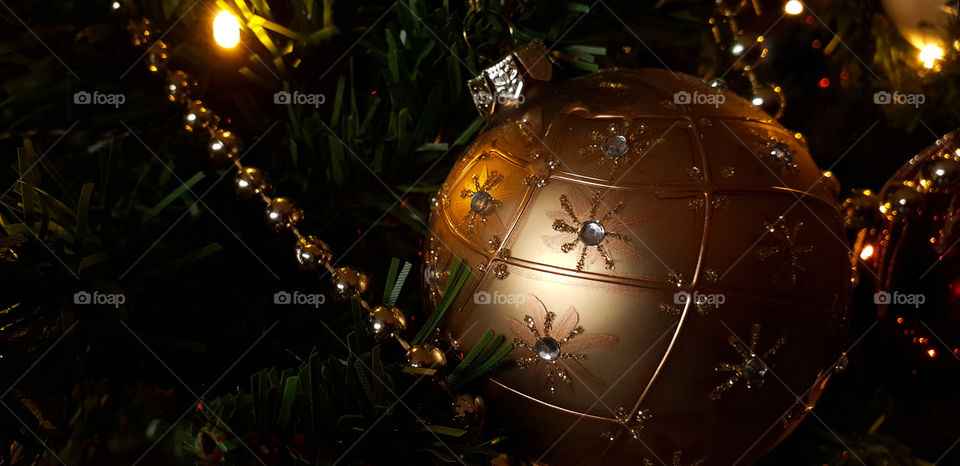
[929, 54]
[226, 29]
[793, 7]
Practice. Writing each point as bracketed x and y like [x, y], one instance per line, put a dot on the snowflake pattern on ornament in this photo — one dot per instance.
[617, 145]
[596, 237]
[554, 347]
[752, 369]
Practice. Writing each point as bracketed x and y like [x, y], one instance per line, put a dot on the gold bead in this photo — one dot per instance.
[901, 201]
[347, 282]
[282, 214]
[179, 86]
[426, 356]
[198, 116]
[469, 411]
[250, 182]
[312, 253]
[157, 57]
[223, 145]
[386, 322]
[860, 210]
[939, 174]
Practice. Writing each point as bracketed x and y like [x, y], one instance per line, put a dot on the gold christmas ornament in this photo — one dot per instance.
[223, 145]
[198, 116]
[250, 182]
[386, 322]
[312, 253]
[347, 282]
[282, 214]
[681, 300]
[913, 250]
[426, 356]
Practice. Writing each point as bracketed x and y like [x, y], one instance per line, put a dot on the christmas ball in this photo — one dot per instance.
[666, 259]
[912, 253]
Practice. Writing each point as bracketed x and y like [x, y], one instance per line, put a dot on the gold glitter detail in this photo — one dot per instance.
[675, 278]
[695, 203]
[638, 143]
[494, 242]
[711, 275]
[728, 172]
[786, 248]
[612, 85]
[634, 423]
[566, 332]
[767, 142]
[695, 173]
[500, 270]
[671, 310]
[677, 460]
[750, 361]
[720, 202]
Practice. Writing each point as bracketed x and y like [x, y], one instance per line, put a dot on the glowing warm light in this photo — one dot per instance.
[929, 54]
[116, 5]
[932, 353]
[758, 101]
[899, 320]
[226, 29]
[737, 49]
[793, 7]
[867, 252]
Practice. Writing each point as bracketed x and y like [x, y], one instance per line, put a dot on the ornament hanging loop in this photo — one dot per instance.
[477, 12]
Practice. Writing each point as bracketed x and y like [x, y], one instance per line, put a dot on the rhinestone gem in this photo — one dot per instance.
[753, 371]
[430, 274]
[547, 348]
[591, 233]
[782, 152]
[614, 146]
[481, 202]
